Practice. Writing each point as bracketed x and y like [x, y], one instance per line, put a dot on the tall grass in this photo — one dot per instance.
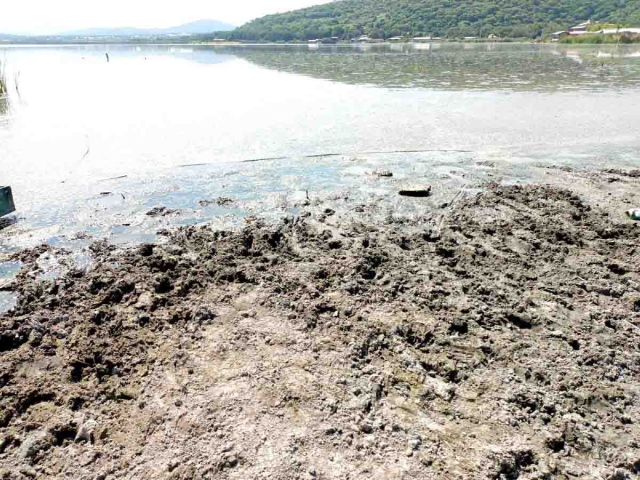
[3, 81]
[4, 92]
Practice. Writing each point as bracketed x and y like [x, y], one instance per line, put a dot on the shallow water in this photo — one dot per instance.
[91, 146]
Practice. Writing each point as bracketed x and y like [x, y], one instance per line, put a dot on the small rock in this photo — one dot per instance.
[415, 443]
[35, 338]
[435, 387]
[29, 472]
[162, 284]
[220, 201]
[366, 428]
[229, 460]
[383, 173]
[228, 447]
[160, 212]
[203, 315]
[35, 443]
[85, 432]
[173, 464]
[619, 475]
[145, 301]
[146, 249]
[558, 334]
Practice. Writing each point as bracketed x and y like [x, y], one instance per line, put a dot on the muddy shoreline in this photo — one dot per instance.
[499, 339]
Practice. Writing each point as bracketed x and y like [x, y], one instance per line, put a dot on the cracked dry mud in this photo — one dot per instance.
[503, 346]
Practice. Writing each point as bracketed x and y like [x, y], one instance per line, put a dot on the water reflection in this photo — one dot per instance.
[94, 147]
[470, 66]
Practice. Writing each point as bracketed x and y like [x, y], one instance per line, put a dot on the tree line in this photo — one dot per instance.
[348, 19]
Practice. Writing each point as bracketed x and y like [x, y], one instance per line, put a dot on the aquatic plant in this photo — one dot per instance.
[3, 81]
[4, 92]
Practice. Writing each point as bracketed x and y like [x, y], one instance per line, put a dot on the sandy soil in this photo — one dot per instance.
[499, 340]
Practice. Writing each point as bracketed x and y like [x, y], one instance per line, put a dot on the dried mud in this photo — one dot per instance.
[498, 342]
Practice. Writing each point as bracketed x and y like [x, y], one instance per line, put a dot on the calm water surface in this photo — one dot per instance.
[90, 145]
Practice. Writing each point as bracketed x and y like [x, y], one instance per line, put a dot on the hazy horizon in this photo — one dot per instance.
[72, 15]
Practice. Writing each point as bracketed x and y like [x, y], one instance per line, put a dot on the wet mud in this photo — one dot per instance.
[499, 340]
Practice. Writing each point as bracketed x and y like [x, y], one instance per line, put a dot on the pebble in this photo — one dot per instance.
[228, 447]
[366, 428]
[415, 443]
[145, 300]
[230, 460]
[85, 432]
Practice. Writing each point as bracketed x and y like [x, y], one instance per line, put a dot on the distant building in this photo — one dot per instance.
[364, 38]
[580, 29]
[558, 35]
[395, 39]
[421, 39]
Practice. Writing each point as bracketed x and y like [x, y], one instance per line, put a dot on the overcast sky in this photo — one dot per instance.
[51, 16]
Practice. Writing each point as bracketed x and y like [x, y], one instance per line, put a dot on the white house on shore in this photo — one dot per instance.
[583, 28]
[580, 29]
[558, 35]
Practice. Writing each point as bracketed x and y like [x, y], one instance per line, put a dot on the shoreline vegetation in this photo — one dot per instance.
[401, 20]
[3, 81]
[348, 19]
[583, 39]
[4, 89]
[216, 39]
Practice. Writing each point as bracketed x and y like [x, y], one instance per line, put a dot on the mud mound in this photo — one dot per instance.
[502, 345]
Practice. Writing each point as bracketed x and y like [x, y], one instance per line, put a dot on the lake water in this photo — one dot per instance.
[90, 146]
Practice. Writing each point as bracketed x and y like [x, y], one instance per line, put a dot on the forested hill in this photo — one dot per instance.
[445, 18]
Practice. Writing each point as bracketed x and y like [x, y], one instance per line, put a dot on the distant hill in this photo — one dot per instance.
[445, 18]
[192, 28]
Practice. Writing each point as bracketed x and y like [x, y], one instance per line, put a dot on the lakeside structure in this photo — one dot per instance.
[583, 29]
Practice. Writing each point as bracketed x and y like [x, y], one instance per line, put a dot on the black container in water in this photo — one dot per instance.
[6, 201]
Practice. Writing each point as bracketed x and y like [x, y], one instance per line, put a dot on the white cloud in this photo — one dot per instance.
[50, 16]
